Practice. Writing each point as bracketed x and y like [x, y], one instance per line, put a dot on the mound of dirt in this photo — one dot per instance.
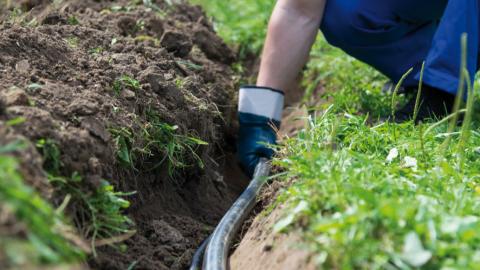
[79, 72]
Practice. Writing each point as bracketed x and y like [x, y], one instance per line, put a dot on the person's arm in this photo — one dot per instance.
[291, 33]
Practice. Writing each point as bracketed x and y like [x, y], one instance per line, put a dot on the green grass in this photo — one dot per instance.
[45, 241]
[98, 214]
[240, 23]
[364, 194]
[157, 143]
[380, 196]
[123, 82]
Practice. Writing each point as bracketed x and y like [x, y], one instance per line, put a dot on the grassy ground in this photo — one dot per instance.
[240, 23]
[372, 195]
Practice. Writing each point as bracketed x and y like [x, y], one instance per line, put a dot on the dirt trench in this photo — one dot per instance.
[66, 70]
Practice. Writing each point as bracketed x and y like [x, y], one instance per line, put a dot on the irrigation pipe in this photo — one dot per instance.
[216, 247]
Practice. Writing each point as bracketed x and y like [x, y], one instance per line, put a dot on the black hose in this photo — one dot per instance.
[197, 259]
[216, 254]
[217, 245]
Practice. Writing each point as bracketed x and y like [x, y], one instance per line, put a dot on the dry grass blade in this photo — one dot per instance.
[115, 239]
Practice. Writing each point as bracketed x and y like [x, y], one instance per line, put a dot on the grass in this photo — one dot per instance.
[72, 20]
[47, 234]
[98, 213]
[366, 194]
[240, 23]
[72, 42]
[123, 82]
[381, 196]
[157, 143]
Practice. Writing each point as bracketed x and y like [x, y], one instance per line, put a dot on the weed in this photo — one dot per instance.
[96, 50]
[139, 26]
[124, 141]
[163, 138]
[179, 82]
[242, 23]
[16, 121]
[34, 86]
[72, 20]
[189, 64]
[15, 16]
[51, 155]
[460, 93]
[98, 214]
[142, 38]
[46, 235]
[158, 143]
[72, 41]
[360, 210]
[393, 103]
[419, 94]
[14, 146]
[125, 81]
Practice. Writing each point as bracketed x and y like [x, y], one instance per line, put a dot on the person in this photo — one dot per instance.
[390, 35]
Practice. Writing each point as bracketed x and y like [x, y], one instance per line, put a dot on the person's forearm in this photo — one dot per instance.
[291, 32]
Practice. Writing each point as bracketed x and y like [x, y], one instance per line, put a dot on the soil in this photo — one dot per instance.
[261, 248]
[58, 65]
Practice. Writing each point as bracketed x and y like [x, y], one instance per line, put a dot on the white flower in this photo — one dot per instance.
[410, 162]
[413, 252]
[393, 154]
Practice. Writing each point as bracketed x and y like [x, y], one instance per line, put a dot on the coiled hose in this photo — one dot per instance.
[215, 248]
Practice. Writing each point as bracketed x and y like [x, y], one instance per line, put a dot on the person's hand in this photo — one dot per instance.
[259, 115]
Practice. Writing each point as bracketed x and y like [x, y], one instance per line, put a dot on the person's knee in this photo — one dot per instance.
[337, 24]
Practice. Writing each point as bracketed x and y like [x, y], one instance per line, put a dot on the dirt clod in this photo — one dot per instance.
[212, 45]
[14, 97]
[177, 43]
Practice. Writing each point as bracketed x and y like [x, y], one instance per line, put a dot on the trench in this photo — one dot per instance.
[73, 55]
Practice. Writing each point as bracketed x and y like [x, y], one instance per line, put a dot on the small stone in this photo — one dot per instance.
[82, 106]
[267, 248]
[94, 165]
[123, 58]
[128, 94]
[15, 97]
[54, 18]
[169, 76]
[22, 66]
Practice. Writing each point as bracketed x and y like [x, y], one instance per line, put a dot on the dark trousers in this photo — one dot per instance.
[395, 35]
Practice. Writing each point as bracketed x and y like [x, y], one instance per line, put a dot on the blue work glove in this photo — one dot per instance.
[259, 114]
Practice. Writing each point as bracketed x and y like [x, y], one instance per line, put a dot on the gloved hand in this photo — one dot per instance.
[259, 114]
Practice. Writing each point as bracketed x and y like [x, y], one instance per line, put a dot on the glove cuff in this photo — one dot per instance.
[261, 101]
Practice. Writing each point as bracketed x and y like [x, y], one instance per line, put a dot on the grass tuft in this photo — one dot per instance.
[123, 82]
[157, 143]
[46, 240]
